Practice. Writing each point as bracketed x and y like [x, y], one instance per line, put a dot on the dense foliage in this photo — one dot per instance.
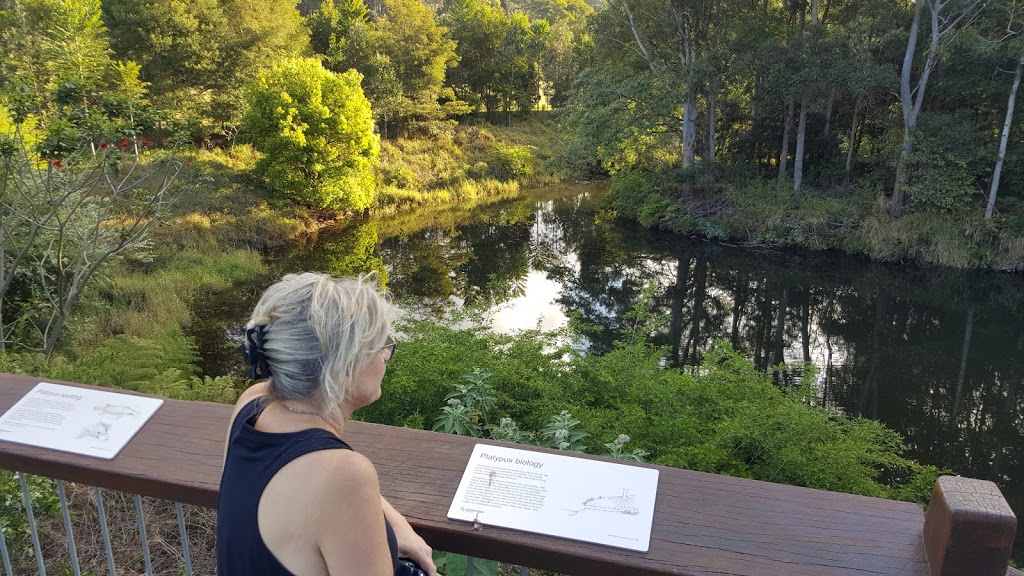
[315, 130]
[874, 108]
[723, 416]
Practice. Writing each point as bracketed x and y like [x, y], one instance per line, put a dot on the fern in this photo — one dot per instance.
[165, 367]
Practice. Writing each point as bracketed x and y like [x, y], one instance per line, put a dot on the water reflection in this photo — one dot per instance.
[935, 354]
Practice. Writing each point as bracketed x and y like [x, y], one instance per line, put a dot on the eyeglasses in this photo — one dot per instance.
[389, 349]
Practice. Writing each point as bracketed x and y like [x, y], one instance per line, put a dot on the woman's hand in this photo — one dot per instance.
[410, 545]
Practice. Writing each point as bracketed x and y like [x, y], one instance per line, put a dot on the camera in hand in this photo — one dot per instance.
[407, 567]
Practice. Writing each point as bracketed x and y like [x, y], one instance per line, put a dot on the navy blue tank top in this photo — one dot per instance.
[253, 457]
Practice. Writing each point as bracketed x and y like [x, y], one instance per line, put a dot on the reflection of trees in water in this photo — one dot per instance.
[935, 354]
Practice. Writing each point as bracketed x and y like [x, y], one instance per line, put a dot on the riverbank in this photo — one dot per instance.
[849, 219]
[224, 226]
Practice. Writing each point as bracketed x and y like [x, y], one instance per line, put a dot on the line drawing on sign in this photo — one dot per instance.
[624, 504]
[99, 431]
[116, 410]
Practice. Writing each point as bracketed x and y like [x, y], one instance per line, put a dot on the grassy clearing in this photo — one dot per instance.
[471, 161]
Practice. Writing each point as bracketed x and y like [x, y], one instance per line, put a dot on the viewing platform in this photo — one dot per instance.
[704, 524]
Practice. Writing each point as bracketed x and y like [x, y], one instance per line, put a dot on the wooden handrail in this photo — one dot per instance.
[704, 524]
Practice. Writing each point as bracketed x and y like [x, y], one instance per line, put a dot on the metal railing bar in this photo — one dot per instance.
[142, 535]
[32, 524]
[103, 530]
[4, 555]
[67, 528]
[526, 571]
[469, 566]
[184, 539]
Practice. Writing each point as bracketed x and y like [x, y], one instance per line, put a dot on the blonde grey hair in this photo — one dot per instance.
[319, 332]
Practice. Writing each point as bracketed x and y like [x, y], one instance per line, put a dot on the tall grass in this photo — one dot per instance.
[848, 219]
[153, 300]
[470, 161]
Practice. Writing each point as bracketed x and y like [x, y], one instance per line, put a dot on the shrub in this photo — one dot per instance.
[315, 130]
[511, 161]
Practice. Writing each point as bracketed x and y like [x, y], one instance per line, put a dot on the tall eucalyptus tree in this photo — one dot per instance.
[945, 18]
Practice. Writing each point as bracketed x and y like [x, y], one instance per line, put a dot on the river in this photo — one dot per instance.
[935, 354]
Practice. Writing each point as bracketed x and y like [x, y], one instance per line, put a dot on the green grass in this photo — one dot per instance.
[853, 220]
[471, 161]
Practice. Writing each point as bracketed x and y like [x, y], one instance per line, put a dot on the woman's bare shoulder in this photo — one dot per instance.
[336, 468]
[251, 393]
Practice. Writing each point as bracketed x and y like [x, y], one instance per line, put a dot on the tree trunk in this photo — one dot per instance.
[801, 137]
[712, 103]
[787, 128]
[689, 129]
[997, 172]
[829, 104]
[911, 101]
[896, 207]
[852, 144]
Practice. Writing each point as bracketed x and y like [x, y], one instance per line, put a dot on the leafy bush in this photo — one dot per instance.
[511, 161]
[638, 195]
[315, 129]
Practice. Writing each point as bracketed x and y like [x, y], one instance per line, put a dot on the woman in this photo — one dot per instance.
[295, 498]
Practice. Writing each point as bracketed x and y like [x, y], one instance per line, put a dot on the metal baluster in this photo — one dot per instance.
[103, 530]
[8, 570]
[142, 536]
[184, 539]
[526, 571]
[469, 566]
[32, 524]
[67, 528]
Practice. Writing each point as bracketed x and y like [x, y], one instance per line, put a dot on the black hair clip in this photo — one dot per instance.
[254, 353]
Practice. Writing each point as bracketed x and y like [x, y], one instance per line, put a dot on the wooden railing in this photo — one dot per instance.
[704, 524]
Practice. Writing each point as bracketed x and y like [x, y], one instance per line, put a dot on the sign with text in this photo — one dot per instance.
[79, 420]
[588, 500]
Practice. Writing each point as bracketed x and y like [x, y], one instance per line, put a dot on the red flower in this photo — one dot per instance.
[103, 145]
[146, 143]
[125, 143]
[56, 163]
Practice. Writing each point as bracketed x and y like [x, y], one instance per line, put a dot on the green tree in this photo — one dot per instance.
[180, 46]
[419, 48]
[403, 55]
[478, 27]
[48, 43]
[315, 130]
[330, 24]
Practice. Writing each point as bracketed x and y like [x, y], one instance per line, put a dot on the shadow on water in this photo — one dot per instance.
[936, 354]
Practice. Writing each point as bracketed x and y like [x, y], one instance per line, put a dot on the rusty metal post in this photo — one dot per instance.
[969, 528]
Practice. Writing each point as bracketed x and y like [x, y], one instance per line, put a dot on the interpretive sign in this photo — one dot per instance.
[79, 420]
[576, 498]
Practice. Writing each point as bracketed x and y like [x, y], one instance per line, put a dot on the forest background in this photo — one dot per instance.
[154, 151]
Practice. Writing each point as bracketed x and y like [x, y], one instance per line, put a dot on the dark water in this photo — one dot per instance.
[936, 354]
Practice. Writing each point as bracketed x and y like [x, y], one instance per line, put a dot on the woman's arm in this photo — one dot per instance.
[349, 526]
[410, 545]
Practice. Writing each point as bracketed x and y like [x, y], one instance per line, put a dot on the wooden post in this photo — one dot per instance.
[969, 528]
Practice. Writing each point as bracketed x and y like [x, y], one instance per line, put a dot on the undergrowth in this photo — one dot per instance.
[853, 220]
[725, 417]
